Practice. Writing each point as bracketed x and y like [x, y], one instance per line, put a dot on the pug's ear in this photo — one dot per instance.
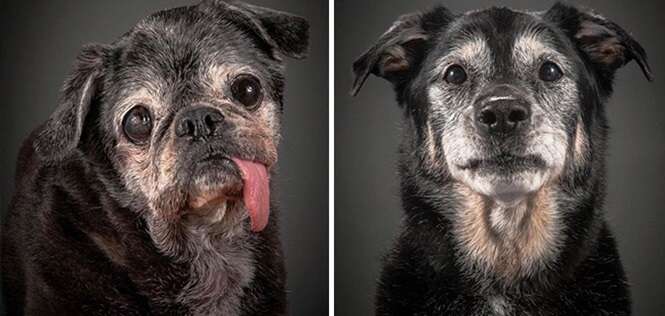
[605, 44]
[284, 32]
[400, 49]
[61, 133]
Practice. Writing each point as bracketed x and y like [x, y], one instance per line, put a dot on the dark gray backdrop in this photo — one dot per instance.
[38, 43]
[367, 214]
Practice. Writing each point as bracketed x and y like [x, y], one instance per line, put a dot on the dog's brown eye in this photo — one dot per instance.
[247, 90]
[455, 74]
[549, 71]
[137, 124]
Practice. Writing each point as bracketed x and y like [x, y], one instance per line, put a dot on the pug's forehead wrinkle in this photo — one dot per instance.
[220, 75]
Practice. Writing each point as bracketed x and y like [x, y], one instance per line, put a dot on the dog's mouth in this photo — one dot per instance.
[504, 164]
[506, 178]
[220, 181]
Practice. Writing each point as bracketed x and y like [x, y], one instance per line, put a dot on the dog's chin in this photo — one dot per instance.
[212, 204]
[506, 184]
[504, 189]
[214, 192]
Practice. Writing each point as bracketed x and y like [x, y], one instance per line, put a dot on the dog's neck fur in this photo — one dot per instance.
[509, 242]
[220, 261]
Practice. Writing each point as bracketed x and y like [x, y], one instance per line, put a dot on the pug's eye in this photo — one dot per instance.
[549, 71]
[455, 74]
[137, 124]
[247, 90]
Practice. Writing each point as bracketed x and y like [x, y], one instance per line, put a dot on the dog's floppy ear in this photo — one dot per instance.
[60, 134]
[398, 50]
[605, 43]
[285, 32]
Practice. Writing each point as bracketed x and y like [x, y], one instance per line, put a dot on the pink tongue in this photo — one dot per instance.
[256, 192]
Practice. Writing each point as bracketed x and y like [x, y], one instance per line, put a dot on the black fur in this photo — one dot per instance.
[426, 273]
[69, 188]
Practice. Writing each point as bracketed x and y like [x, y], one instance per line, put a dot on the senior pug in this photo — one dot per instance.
[147, 190]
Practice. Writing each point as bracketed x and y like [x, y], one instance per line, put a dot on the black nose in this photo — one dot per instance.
[502, 115]
[199, 122]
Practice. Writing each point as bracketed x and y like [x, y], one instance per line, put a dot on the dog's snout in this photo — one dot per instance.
[502, 110]
[502, 116]
[199, 122]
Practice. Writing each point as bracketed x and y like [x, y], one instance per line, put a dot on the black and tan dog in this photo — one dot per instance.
[147, 190]
[503, 162]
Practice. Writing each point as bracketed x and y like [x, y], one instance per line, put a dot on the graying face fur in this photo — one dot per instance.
[169, 171]
[188, 82]
[495, 96]
[504, 165]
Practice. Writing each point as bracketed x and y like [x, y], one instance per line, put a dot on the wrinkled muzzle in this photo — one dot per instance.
[218, 169]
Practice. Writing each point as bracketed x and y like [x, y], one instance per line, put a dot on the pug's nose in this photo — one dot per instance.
[502, 116]
[199, 122]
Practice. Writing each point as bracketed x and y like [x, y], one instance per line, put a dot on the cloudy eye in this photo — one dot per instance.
[247, 90]
[549, 71]
[455, 74]
[137, 124]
